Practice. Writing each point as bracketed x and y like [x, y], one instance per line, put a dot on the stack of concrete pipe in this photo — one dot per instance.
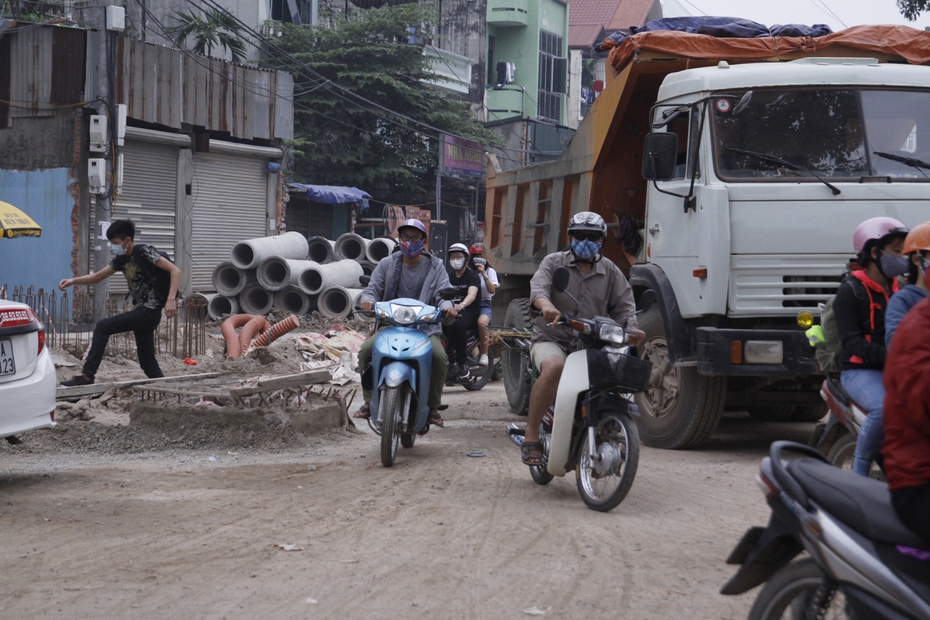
[295, 275]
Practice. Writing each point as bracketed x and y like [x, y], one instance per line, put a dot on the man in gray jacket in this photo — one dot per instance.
[417, 275]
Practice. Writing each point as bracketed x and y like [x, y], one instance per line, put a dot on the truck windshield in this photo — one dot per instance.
[815, 134]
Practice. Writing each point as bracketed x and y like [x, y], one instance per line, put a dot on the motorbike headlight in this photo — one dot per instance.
[404, 315]
[612, 333]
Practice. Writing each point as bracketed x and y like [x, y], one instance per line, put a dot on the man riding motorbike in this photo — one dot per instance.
[489, 284]
[601, 290]
[415, 274]
[859, 307]
[917, 250]
[457, 331]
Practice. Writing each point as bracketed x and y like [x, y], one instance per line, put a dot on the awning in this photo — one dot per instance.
[331, 194]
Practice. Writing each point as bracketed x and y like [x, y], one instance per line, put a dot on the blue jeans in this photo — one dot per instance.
[866, 388]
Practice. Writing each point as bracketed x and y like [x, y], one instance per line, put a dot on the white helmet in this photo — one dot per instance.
[459, 247]
[587, 221]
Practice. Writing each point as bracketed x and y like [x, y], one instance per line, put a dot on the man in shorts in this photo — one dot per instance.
[601, 290]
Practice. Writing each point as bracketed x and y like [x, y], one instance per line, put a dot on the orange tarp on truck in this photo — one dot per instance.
[909, 44]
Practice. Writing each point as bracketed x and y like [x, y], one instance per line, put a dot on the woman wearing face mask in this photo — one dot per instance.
[917, 251]
[468, 308]
[859, 306]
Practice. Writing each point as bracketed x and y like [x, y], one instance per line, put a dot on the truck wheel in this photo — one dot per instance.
[681, 408]
[771, 413]
[514, 362]
[809, 413]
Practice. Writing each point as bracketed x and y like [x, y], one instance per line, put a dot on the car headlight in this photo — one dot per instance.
[404, 315]
[612, 333]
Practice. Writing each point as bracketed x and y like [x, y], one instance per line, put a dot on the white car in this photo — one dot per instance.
[27, 375]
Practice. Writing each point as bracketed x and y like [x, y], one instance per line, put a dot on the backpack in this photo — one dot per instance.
[829, 351]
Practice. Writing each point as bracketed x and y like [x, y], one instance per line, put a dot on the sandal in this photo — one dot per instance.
[532, 452]
[435, 419]
[364, 412]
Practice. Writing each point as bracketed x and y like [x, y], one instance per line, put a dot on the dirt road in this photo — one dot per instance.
[440, 535]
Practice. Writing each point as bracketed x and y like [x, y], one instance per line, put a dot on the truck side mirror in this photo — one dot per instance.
[660, 156]
[646, 301]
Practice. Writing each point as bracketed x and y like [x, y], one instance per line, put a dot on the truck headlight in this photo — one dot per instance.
[764, 352]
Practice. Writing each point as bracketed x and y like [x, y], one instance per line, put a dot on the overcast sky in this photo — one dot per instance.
[837, 14]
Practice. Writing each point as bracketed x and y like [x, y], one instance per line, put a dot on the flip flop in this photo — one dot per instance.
[364, 412]
[532, 452]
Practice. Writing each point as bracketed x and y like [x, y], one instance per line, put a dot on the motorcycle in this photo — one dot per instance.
[479, 376]
[836, 438]
[399, 373]
[863, 562]
[592, 429]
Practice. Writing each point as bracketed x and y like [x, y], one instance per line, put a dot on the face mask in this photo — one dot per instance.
[457, 264]
[117, 250]
[411, 249]
[892, 266]
[924, 271]
[585, 250]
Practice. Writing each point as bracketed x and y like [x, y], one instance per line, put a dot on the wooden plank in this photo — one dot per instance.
[317, 375]
[100, 388]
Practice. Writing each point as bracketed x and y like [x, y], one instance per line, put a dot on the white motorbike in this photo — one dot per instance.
[591, 428]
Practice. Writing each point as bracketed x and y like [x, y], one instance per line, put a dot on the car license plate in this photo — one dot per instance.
[7, 363]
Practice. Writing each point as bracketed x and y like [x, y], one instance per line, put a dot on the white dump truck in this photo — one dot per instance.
[746, 172]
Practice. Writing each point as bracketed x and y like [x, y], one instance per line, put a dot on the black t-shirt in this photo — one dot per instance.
[140, 271]
[469, 277]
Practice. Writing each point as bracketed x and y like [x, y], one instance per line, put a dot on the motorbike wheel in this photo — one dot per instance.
[540, 475]
[407, 440]
[389, 412]
[603, 485]
[478, 381]
[795, 588]
[842, 454]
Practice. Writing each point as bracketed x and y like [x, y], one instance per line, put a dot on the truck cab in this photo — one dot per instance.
[746, 178]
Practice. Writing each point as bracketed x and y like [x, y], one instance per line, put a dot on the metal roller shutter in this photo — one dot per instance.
[149, 197]
[230, 197]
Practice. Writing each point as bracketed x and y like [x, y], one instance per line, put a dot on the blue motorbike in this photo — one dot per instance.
[399, 374]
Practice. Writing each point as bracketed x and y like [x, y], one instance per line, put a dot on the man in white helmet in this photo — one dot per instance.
[601, 290]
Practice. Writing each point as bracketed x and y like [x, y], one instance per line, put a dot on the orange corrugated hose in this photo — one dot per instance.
[233, 348]
[250, 330]
[277, 330]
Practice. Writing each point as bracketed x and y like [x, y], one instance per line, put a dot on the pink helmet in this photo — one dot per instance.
[877, 228]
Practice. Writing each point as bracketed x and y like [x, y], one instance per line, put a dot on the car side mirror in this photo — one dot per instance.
[660, 155]
[364, 280]
[560, 279]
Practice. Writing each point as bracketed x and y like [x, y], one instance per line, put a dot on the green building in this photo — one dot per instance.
[527, 60]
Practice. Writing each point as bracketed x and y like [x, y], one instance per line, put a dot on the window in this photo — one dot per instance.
[553, 72]
[686, 126]
[841, 133]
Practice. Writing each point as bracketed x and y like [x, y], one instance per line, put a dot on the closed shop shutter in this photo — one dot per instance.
[148, 198]
[230, 197]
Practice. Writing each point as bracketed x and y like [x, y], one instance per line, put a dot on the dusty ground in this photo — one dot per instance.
[92, 533]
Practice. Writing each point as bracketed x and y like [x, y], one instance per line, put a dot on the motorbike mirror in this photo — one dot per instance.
[560, 279]
[364, 280]
[453, 292]
[646, 300]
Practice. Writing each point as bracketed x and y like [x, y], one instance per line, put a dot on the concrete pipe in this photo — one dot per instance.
[352, 246]
[321, 250]
[367, 267]
[346, 272]
[229, 280]
[380, 248]
[219, 306]
[249, 253]
[256, 300]
[292, 300]
[275, 273]
[336, 302]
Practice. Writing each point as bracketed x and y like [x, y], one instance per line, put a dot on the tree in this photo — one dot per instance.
[911, 9]
[216, 28]
[340, 139]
